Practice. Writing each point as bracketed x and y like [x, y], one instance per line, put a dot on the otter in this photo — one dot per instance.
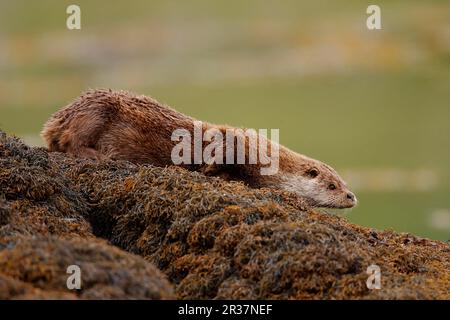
[120, 125]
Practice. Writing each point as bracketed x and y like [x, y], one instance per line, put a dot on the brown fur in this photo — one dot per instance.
[120, 125]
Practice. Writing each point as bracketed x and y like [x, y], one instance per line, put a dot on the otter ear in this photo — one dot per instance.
[312, 173]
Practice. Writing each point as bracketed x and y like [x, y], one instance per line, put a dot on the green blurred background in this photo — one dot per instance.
[373, 104]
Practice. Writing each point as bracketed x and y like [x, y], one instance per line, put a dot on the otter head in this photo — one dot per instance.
[318, 183]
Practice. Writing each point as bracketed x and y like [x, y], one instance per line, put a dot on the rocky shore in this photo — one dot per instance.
[144, 232]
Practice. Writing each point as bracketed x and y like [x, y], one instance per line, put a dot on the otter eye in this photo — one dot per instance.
[312, 173]
[331, 186]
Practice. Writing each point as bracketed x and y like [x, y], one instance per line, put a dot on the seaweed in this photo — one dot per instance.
[212, 239]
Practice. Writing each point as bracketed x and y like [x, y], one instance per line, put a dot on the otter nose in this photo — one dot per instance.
[351, 196]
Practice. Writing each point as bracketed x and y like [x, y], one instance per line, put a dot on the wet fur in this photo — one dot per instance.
[120, 125]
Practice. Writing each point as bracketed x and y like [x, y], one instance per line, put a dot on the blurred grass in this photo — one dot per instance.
[337, 92]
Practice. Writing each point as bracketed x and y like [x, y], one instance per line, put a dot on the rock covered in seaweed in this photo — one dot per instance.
[36, 267]
[43, 230]
[211, 238]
